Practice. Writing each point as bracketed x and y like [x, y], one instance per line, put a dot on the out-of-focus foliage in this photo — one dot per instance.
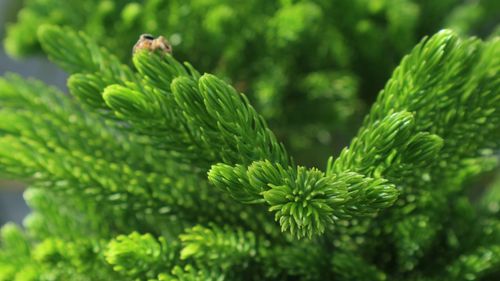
[309, 67]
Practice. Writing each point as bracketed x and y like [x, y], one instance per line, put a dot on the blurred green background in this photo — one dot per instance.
[12, 206]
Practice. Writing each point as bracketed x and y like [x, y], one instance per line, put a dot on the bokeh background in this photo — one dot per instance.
[12, 206]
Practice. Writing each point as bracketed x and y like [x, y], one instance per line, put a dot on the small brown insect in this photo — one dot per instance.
[148, 42]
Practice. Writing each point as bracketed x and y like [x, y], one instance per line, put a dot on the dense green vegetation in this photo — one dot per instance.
[151, 170]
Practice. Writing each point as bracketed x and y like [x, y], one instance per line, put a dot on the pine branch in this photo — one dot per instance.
[219, 247]
[67, 217]
[140, 256]
[78, 154]
[475, 265]
[450, 88]
[305, 201]
[85, 56]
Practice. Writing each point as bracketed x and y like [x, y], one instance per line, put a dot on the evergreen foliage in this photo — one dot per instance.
[154, 171]
[309, 67]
